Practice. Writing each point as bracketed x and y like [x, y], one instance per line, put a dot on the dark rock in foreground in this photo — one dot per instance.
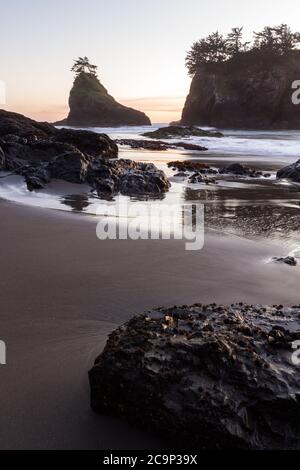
[91, 143]
[158, 145]
[40, 153]
[172, 132]
[92, 106]
[14, 124]
[290, 172]
[127, 177]
[206, 377]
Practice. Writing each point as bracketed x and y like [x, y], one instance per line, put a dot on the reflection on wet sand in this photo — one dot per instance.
[77, 202]
[266, 209]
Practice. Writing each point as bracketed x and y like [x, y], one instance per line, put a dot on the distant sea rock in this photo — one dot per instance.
[92, 106]
[205, 376]
[173, 132]
[245, 92]
[158, 146]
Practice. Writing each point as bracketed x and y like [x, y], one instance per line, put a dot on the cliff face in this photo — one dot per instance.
[91, 105]
[248, 93]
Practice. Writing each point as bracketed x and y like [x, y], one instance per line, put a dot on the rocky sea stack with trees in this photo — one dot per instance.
[239, 84]
[92, 106]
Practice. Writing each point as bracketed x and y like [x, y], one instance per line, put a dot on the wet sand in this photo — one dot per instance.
[63, 291]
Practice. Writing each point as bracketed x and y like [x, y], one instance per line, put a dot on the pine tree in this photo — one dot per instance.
[83, 65]
[270, 42]
[235, 43]
[266, 40]
[285, 38]
[212, 49]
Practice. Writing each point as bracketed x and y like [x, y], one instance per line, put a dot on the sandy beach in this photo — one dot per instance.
[150, 242]
[64, 291]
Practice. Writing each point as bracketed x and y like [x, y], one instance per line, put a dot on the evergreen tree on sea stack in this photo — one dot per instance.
[83, 65]
[92, 106]
[267, 45]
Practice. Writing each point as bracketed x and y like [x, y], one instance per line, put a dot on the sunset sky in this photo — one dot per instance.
[139, 46]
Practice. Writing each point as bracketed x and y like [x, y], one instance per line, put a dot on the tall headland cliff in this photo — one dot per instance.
[247, 91]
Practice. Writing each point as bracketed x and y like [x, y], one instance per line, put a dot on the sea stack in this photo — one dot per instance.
[245, 92]
[92, 106]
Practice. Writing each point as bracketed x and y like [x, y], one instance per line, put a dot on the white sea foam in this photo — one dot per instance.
[281, 147]
[275, 146]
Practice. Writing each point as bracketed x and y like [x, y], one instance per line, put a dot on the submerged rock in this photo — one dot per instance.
[199, 177]
[179, 131]
[181, 174]
[205, 376]
[201, 172]
[235, 169]
[158, 145]
[143, 144]
[240, 170]
[187, 146]
[289, 260]
[290, 172]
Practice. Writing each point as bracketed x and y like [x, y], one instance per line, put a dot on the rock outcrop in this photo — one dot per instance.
[245, 92]
[127, 177]
[237, 169]
[290, 172]
[205, 376]
[174, 132]
[40, 152]
[289, 260]
[92, 106]
[190, 165]
[158, 145]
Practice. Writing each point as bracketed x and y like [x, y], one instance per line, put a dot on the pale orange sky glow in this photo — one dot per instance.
[159, 109]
